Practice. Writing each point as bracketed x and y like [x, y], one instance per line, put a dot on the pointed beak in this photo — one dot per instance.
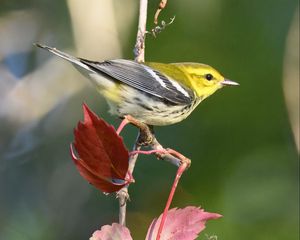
[227, 82]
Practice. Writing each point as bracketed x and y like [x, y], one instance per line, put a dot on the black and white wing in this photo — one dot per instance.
[144, 78]
[134, 74]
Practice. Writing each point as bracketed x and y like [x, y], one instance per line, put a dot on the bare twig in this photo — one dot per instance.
[139, 50]
[167, 156]
[123, 195]
[161, 6]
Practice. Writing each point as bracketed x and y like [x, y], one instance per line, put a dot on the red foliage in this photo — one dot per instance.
[103, 157]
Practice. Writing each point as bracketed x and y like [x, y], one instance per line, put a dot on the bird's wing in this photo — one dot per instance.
[134, 74]
[144, 78]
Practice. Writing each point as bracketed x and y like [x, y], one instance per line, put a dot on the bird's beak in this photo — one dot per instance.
[227, 82]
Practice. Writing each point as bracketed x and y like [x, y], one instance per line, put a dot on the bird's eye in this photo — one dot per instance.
[209, 77]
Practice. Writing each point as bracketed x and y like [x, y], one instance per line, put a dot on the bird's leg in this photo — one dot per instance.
[122, 125]
[146, 132]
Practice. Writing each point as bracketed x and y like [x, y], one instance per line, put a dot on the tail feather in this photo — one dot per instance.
[76, 61]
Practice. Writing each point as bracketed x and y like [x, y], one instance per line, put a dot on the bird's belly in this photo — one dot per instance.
[148, 109]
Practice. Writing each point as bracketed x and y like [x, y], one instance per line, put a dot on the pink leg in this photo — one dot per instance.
[122, 125]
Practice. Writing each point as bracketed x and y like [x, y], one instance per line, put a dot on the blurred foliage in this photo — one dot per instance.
[244, 158]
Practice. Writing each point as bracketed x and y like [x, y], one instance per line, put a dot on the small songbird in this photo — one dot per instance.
[154, 93]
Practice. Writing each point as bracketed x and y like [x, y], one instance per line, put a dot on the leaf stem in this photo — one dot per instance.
[180, 170]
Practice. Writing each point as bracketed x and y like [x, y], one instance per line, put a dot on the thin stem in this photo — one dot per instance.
[165, 156]
[133, 158]
[147, 152]
[180, 170]
[139, 50]
[123, 195]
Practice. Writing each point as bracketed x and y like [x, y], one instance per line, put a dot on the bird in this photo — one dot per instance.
[156, 94]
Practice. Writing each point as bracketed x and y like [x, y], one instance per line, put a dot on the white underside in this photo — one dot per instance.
[161, 115]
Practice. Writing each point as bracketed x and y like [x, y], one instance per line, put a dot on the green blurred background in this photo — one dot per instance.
[242, 141]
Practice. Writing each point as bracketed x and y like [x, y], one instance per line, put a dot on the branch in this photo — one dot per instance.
[123, 195]
[139, 49]
[139, 54]
[165, 156]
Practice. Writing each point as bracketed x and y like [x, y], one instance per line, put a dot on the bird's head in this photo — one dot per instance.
[204, 79]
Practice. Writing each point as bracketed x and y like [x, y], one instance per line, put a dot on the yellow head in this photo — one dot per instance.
[204, 79]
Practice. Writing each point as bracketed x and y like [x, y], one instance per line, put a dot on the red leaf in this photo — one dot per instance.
[113, 232]
[181, 224]
[103, 158]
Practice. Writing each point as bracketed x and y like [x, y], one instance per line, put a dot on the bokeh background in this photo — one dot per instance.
[243, 142]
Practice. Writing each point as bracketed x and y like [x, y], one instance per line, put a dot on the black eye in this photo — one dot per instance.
[209, 77]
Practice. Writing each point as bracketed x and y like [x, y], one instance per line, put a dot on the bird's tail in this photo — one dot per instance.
[76, 61]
